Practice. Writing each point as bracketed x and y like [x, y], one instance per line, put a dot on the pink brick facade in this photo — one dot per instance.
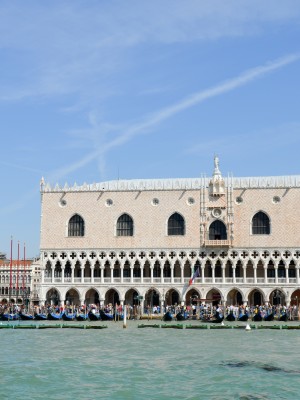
[235, 268]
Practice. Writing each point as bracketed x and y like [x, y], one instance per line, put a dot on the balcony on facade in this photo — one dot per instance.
[277, 277]
[216, 243]
[215, 266]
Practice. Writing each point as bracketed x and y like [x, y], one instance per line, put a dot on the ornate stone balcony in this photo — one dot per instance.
[216, 243]
[175, 281]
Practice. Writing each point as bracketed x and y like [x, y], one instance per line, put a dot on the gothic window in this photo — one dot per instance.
[292, 273]
[176, 225]
[76, 226]
[271, 270]
[217, 231]
[260, 224]
[156, 270]
[125, 225]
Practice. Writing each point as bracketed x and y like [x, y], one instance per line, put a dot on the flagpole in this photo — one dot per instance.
[10, 269]
[18, 263]
[24, 276]
[23, 271]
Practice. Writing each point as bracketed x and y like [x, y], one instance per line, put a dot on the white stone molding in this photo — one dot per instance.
[136, 185]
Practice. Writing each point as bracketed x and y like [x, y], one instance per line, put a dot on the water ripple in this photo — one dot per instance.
[154, 363]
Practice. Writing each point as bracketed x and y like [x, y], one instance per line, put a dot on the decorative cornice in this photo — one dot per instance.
[263, 182]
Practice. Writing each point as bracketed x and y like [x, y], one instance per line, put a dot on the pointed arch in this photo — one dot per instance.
[172, 297]
[124, 225]
[72, 296]
[132, 296]
[176, 225]
[277, 297]
[152, 297]
[217, 230]
[92, 296]
[76, 226]
[256, 296]
[214, 296]
[235, 296]
[112, 296]
[260, 224]
[53, 296]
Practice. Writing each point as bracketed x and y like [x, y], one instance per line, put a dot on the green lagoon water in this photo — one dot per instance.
[132, 363]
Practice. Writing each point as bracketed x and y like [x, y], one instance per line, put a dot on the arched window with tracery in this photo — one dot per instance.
[260, 224]
[76, 226]
[176, 225]
[125, 225]
[217, 231]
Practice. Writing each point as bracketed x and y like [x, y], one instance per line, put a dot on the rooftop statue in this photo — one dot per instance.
[216, 162]
[217, 184]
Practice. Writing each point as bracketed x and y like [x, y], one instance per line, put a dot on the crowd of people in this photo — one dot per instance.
[206, 310]
[196, 311]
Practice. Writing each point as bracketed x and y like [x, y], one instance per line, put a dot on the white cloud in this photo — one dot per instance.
[282, 136]
[156, 118]
[72, 46]
[21, 167]
[98, 25]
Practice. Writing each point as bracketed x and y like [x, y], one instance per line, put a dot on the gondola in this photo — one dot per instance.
[40, 317]
[93, 316]
[180, 316]
[81, 317]
[54, 317]
[25, 316]
[230, 317]
[283, 317]
[9, 317]
[243, 317]
[105, 317]
[68, 316]
[216, 319]
[167, 316]
[213, 320]
[269, 317]
[257, 317]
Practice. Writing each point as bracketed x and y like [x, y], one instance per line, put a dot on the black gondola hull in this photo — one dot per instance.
[230, 317]
[283, 317]
[244, 317]
[269, 317]
[26, 317]
[105, 317]
[53, 317]
[257, 318]
[40, 317]
[180, 317]
[67, 317]
[93, 317]
[213, 321]
[81, 317]
[167, 316]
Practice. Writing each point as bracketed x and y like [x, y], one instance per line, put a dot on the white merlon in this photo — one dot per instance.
[292, 181]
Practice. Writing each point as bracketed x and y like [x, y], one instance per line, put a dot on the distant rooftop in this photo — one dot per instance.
[6, 262]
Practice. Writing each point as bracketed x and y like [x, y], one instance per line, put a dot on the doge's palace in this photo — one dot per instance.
[172, 241]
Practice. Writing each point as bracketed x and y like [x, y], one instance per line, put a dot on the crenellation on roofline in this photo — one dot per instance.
[291, 181]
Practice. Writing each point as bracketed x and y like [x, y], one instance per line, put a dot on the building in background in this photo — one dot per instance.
[167, 241]
[16, 281]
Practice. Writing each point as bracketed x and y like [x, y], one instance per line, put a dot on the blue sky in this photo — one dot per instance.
[93, 90]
